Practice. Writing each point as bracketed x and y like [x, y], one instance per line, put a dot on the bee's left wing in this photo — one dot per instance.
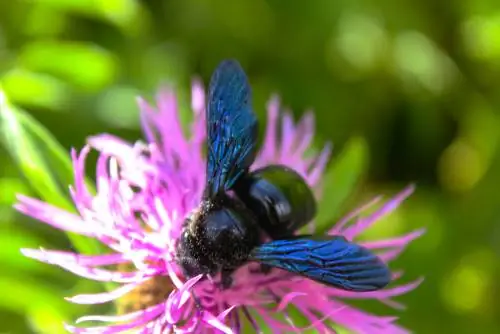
[330, 260]
[231, 128]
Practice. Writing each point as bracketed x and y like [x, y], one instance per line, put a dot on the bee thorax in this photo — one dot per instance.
[216, 238]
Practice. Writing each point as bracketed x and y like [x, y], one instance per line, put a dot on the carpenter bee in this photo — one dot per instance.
[254, 215]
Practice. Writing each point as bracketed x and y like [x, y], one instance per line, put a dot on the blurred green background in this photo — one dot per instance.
[416, 80]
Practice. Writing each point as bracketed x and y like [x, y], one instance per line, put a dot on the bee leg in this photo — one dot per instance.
[226, 280]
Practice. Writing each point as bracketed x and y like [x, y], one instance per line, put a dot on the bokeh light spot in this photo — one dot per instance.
[120, 98]
[465, 289]
[481, 37]
[417, 60]
[124, 13]
[461, 166]
[361, 40]
[480, 126]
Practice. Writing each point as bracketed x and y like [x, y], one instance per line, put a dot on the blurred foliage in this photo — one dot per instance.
[416, 83]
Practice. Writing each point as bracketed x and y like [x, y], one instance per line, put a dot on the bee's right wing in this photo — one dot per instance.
[330, 260]
[231, 128]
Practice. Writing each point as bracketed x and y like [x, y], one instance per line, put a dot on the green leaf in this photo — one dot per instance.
[41, 160]
[11, 259]
[36, 89]
[340, 180]
[126, 14]
[85, 65]
[10, 187]
[41, 303]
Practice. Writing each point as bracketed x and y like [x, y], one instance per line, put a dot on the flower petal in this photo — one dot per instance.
[56, 217]
[213, 321]
[100, 298]
[380, 294]
[86, 271]
[287, 299]
[394, 242]
[122, 317]
[354, 230]
[316, 171]
[337, 228]
[83, 260]
[140, 321]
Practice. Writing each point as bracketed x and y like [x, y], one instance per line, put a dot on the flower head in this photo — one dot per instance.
[145, 190]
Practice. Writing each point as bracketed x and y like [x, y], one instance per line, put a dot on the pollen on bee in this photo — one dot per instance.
[191, 219]
[149, 293]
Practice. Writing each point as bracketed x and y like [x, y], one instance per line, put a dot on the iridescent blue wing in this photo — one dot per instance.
[231, 128]
[331, 260]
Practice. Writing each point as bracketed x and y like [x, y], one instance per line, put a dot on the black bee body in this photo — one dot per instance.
[217, 238]
[270, 203]
[253, 216]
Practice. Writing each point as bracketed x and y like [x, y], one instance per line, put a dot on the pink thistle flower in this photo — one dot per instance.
[145, 191]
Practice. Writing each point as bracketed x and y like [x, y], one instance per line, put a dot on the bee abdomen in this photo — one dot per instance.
[281, 199]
